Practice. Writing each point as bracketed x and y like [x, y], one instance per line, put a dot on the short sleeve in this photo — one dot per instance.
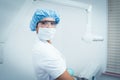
[54, 66]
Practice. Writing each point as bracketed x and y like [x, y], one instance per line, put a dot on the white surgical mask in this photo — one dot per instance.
[46, 33]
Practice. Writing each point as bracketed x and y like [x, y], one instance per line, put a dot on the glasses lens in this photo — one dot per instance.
[53, 23]
[43, 22]
[48, 22]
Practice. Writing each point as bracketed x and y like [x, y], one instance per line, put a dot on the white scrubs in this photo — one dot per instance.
[48, 62]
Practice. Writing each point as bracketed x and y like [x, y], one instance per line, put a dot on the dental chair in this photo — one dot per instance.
[90, 73]
[79, 78]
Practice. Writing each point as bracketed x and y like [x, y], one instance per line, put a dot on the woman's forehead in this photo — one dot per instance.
[48, 18]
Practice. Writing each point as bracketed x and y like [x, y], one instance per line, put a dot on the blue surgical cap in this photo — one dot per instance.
[41, 14]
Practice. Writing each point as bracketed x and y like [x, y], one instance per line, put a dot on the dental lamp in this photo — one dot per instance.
[88, 36]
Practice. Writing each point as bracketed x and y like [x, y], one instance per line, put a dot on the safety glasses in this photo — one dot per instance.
[48, 22]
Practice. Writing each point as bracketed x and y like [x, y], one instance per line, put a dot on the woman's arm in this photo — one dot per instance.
[65, 76]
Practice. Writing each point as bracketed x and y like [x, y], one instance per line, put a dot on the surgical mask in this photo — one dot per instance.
[46, 33]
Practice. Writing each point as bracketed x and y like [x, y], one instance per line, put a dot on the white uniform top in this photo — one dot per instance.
[48, 62]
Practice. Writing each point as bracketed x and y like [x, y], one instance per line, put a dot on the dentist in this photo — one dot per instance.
[48, 62]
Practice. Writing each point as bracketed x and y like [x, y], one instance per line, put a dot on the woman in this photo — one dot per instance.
[48, 62]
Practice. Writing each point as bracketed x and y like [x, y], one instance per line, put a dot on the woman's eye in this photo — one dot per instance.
[53, 23]
[43, 22]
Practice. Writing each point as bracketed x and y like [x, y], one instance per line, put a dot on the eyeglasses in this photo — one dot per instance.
[48, 22]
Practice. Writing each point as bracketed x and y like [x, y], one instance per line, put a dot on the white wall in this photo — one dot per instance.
[8, 10]
[79, 54]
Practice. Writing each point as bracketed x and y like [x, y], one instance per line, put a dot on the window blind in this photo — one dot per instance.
[113, 58]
